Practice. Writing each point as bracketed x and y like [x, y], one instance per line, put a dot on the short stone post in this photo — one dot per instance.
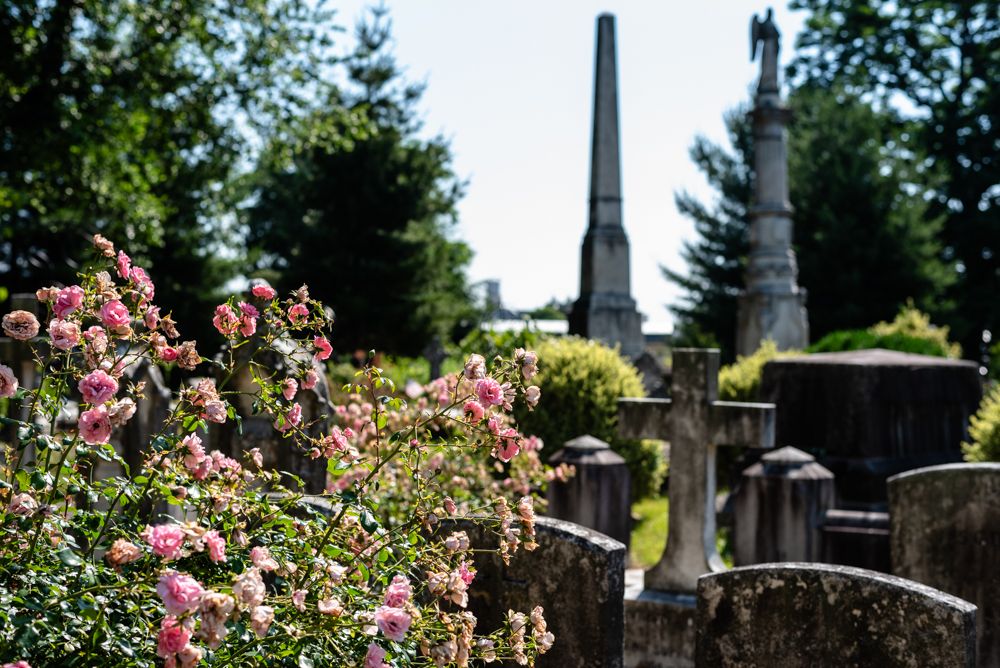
[599, 495]
[779, 508]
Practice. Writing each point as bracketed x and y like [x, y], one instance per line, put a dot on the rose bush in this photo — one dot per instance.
[200, 558]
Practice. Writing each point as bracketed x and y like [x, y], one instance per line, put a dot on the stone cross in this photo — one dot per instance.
[605, 309]
[695, 423]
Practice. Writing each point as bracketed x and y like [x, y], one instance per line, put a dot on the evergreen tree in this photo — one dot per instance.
[864, 245]
[357, 206]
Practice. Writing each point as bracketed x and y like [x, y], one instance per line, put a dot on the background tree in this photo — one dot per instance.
[130, 118]
[864, 243]
[356, 205]
[935, 62]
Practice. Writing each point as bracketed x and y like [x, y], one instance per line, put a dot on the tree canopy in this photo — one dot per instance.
[933, 64]
[354, 203]
[131, 118]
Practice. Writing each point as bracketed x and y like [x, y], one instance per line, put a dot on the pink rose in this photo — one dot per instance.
[263, 291]
[191, 655]
[508, 444]
[297, 313]
[68, 300]
[249, 588]
[299, 599]
[467, 575]
[64, 334]
[121, 412]
[23, 504]
[225, 319]
[173, 637]
[142, 282]
[8, 382]
[94, 332]
[152, 317]
[292, 419]
[399, 592]
[392, 622]
[216, 546]
[166, 353]
[531, 396]
[124, 264]
[475, 367]
[115, 315]
[122, 552]
[489, 391]
[493, 424]
[309, 380]
[165, 539]
[95, 425]
[215, 411]
[20, 325]
[180, 593]
[261, 558]
[323, 348]
[474, 410]
[375, 658]
[289, 387]
[260, 619]
[17, 664]
[97, 387]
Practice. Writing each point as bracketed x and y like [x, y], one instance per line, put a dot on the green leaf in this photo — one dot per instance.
[368, 521]
[68, 557]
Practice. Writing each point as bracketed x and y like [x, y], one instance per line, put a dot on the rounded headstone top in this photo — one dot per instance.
[586, 443]
[873, 357]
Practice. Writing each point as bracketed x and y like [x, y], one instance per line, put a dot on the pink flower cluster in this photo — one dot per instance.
[201, 465]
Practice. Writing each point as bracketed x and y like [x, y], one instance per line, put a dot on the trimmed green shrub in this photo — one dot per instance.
[740, 381]
[984, 430]
[910, 332]
[581, 382]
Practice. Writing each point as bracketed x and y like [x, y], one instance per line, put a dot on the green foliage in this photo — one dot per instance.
[843, 187]
[581, 382]
[911, 332]
[740, 381]
[649, 535]
[353, 203]
[131, 119]
[984, 430]
[933, 64]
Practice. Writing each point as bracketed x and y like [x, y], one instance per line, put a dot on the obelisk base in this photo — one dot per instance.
[780, 317]
[611, 319]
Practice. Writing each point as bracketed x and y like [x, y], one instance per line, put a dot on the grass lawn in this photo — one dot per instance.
[649, 536]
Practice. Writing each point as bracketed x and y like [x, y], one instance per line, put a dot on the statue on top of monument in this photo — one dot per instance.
[766, 32]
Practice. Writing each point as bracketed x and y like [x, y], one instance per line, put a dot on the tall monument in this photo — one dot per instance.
[773, 306]
[605, 309]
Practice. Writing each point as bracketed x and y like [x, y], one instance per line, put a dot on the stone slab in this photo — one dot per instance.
[659, 630]
[817, 615]
[945, 532]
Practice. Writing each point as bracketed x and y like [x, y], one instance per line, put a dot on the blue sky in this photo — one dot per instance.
[511, 85]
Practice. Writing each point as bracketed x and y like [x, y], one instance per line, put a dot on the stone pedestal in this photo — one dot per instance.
[599, 496]
[779, 508]
[870, 414]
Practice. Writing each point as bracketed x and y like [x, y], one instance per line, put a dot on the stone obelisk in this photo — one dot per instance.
[605, 309]
[773, 305]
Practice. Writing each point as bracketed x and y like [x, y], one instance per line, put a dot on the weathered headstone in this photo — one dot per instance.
[599, 495]
[606, 310]
[816, 615]
[945, 524]
[779, 509]
[773, 306]
[577, 575]
[695, 423]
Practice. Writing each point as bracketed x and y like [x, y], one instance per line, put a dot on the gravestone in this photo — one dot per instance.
[695, 423]
[772, 306]
[779, 509]
[577, 575]
[599, 495]
[659, 620]
[817, 615]
[606, 310]
[945, 526]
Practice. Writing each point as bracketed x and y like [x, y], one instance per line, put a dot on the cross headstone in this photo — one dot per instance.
[798, 615]
[695, 423]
